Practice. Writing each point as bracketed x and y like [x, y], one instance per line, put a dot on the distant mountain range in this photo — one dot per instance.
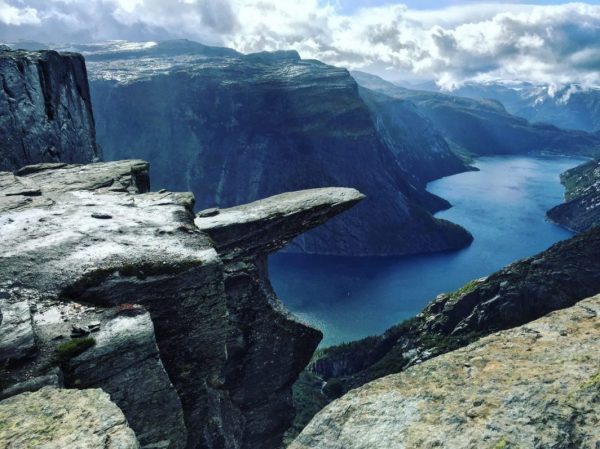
[572, 106]
[484, 126]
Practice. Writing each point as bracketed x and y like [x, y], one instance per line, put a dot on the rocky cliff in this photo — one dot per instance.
[420, 150]
[45, 109]
[233, 128]
[581, 209]
[483, 126]
[535, 386]
[519, 293]
[109, 286]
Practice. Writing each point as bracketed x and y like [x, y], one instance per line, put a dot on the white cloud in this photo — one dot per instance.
[546, 44]
[11, 15]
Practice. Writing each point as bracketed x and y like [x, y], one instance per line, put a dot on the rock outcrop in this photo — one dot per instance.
[234, 128]
[581, 209]
[45, 109]
[64, 419]
[535, 386]
[176, 320]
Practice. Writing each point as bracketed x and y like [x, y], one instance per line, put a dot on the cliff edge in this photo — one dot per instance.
[581, 209]
[193, 343]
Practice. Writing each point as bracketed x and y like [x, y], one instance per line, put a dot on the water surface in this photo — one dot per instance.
[503, 205]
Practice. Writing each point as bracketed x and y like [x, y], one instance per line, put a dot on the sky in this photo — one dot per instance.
[449, 42]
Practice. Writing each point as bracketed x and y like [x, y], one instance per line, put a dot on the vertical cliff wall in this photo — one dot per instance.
[45, 109]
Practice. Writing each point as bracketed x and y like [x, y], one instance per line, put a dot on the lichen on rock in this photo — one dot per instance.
[532, 386]
[64, 419]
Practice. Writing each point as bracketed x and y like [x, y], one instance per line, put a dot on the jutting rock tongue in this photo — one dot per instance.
[173, 315]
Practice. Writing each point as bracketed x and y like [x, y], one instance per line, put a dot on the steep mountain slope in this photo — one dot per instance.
[484, 127]
[581, 211]
[421, 152]
[233, 128]
[45, 109]
[571, 106]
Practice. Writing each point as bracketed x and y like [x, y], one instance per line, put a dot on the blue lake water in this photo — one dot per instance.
[503, 205]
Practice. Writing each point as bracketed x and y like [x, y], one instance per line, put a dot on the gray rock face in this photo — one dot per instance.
[268, 225]
[176, 320]
[535, 386]
[581, 210]
[124, 355]
[52, 379]
[16, 334]
[45, 109]
[64, 419]
[234, 128]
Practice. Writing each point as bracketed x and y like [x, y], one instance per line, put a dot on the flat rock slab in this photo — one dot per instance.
[269, 224]
[535, 386]
[64, 419]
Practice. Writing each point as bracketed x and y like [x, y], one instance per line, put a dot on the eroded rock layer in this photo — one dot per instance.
[120, 289]
[45, 109]
[535, 386]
